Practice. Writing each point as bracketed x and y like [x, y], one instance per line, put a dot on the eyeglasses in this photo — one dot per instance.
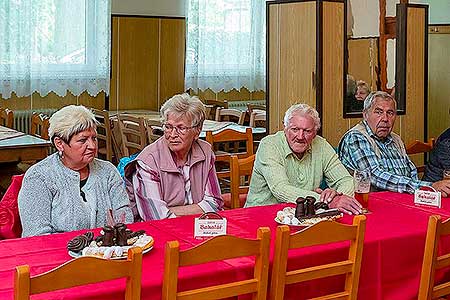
[178, 129]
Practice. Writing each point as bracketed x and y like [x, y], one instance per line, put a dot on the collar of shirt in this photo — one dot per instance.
[288, 151]
[388, 139]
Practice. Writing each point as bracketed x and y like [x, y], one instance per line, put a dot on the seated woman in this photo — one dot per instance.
[72, 189]
[175, 175]
[439, 158]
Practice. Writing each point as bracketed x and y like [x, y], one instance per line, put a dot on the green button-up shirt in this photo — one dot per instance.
[280, 176]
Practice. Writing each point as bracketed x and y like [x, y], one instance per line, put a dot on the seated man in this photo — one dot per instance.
[439, 158]
[292, 163]
[371, 145]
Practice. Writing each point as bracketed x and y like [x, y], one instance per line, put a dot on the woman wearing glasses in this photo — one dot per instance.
[175, 175]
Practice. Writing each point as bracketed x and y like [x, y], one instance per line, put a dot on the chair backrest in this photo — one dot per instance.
[132, 132]
[6, 117]
[209, 108]
[258, 119]
[321, 233]
[82, 271]
[39, 125]
[258, 107]
[219, 248]
[230, 136]
[154, 130]
[239, 168]
[418, 147]
[215, 104]
[230, 114]
[432, 261]
[104, 135]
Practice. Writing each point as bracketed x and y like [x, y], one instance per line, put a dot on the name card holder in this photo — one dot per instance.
[428, 196]
[209, 225]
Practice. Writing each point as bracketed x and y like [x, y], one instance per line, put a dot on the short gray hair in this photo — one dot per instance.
[185, 105]
[69, 121]
[370, 99]
[302, 109]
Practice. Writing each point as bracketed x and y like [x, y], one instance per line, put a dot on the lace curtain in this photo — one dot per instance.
[54, 45]
[226, 45]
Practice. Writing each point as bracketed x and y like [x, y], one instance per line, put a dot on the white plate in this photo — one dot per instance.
[78, 254]
[310, 221]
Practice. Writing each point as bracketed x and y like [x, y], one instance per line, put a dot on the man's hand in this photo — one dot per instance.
[346, 204]
[327, 195]
[442, 186]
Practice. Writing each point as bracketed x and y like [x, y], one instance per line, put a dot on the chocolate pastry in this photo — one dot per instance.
[319, 205]
[108, 237]
[78, 243]
[121, 234]
[90, 236]
[132, 234]
[309, 203]
[300, 210]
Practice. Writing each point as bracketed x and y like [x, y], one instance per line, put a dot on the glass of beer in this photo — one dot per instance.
[446, 174]
[361, 180]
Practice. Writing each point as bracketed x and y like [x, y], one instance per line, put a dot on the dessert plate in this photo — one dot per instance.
[309, 221]
[99, 252]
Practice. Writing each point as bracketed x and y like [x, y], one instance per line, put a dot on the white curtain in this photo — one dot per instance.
[54, 45]
[226, 45]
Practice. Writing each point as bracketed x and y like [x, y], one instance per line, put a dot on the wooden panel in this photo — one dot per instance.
[334, 125]
[16, 103]
[97, 102]
[292, 58]
[439, 78]
[363, 60]
[138, 63]
[258, 95]
[234, 95]
[113, 99]
[172, 52]
[412, 124]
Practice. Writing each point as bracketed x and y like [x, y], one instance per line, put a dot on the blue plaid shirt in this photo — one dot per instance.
[393, 172]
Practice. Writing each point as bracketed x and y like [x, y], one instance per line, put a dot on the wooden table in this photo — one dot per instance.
[22, 147]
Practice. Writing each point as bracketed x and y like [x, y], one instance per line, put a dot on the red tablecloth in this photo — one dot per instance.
[392, 256]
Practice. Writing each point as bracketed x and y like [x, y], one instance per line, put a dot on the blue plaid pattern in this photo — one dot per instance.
[393, 172]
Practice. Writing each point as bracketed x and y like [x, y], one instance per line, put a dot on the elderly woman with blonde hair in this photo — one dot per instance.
[72, 189]
[175, 175]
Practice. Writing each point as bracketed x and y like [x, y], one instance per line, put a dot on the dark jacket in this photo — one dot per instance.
[439, 158]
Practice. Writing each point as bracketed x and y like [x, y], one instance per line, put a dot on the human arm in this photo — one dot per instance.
[120, 203]
[356, 152]
[35, 205]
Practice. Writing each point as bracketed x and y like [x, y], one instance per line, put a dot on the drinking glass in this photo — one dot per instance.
[361, 179]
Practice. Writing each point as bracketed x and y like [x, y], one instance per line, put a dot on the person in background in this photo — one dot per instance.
[371, 145]
[292, 163]
[362, 91]
[72, 189]
[175, 175]
[439, 158]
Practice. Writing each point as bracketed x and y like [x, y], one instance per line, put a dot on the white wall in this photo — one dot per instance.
[149, 7]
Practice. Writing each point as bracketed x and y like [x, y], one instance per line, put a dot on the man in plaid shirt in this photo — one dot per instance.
[371, 145]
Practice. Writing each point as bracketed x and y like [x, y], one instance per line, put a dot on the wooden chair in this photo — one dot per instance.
[223, 157]
[82, 271]
[418, 147]
[6, 117]
[240, 176]
[104, 134]
[219, 248]
[208, 111]
[39, 125]
[432, 261]
[153, 129]
[215, 104]
[231, 115]
[132, 132]
[258, 107]
[322, 233]
[258, 119]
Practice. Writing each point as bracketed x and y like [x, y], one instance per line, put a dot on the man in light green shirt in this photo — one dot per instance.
[291, 164]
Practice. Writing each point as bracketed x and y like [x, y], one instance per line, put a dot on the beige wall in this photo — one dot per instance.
[173, 8]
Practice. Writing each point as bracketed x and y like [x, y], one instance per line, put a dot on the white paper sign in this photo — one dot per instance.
[210, 227]
[429, 198]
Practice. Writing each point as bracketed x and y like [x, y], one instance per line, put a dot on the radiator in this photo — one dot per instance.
[242, 105]
[22, 118]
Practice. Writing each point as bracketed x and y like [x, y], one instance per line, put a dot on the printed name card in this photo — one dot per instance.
[210, 227]
[427, 196]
